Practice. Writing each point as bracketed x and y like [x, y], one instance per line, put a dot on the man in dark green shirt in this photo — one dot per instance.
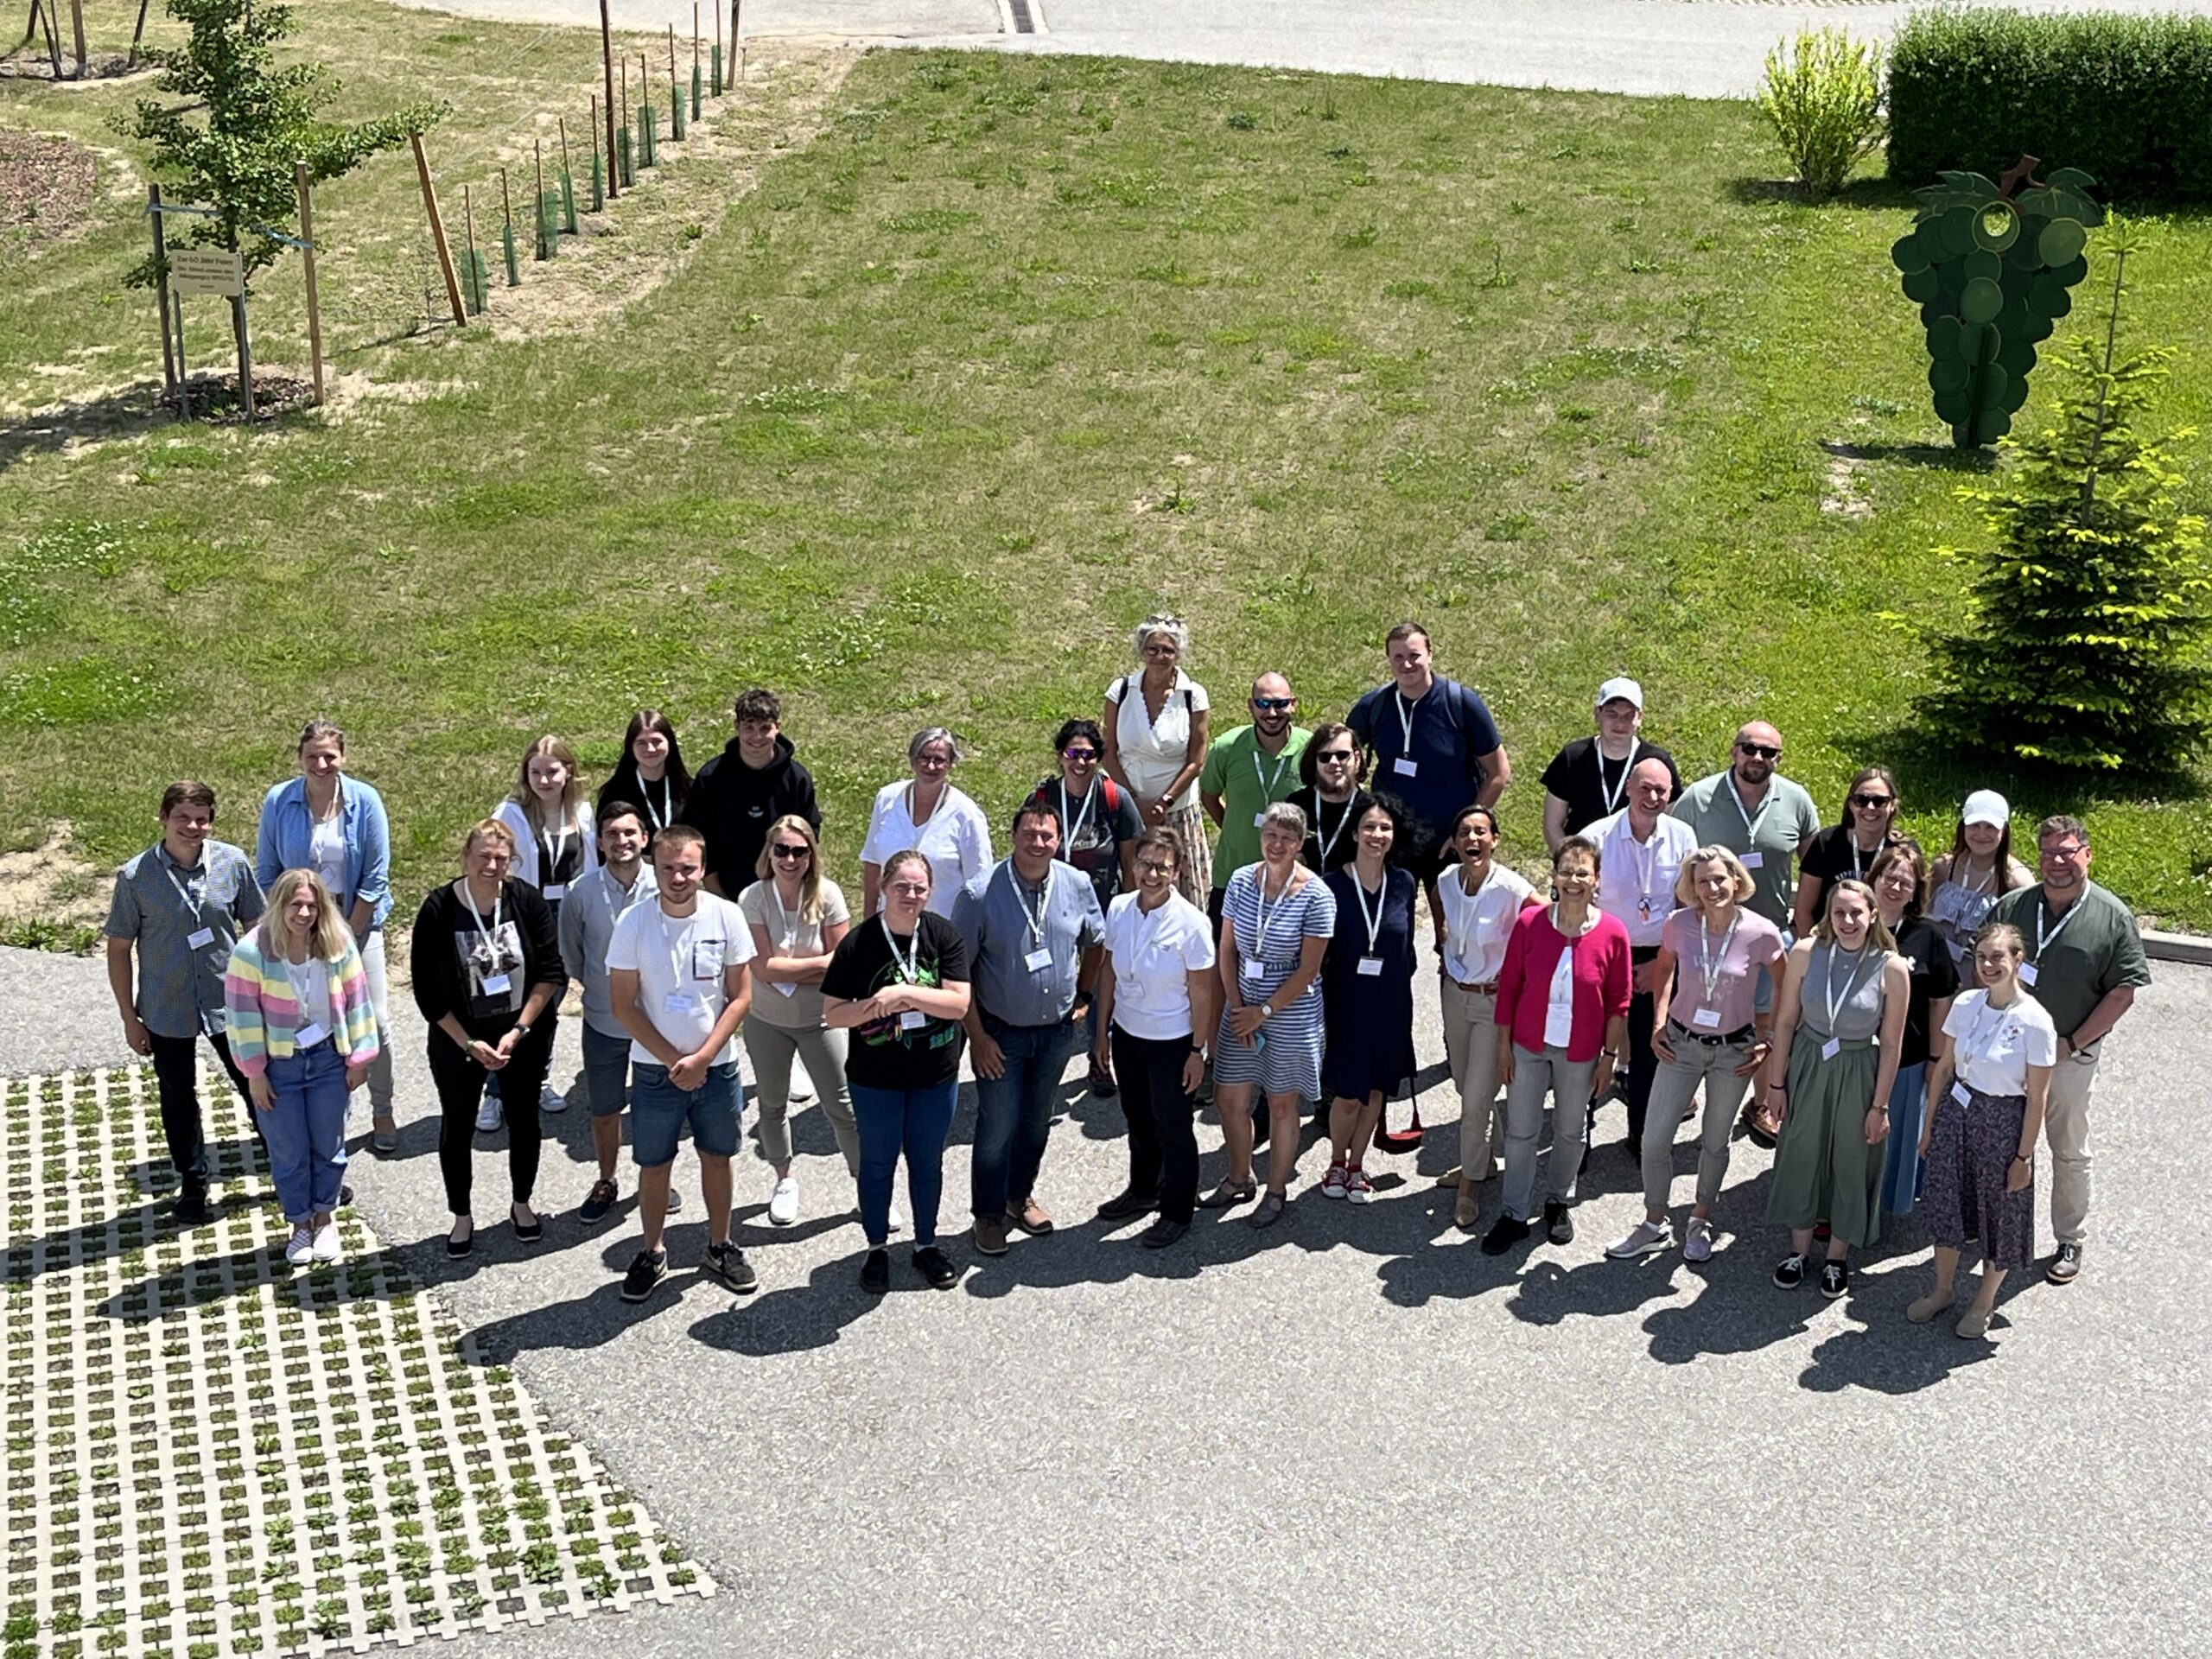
[2085, 962]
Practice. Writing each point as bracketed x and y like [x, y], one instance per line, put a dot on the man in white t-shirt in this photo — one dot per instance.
[1641, 851]
[676, 976]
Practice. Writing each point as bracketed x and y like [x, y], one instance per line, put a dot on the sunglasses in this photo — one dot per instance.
[1870, 800]
[1760, 751]
[1334, 757]
[910, 889]
[1273, 705]
[790, 852]
[1079, 754]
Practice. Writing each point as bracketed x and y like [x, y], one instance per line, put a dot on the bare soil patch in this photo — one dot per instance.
[46, 187]
[51, 883]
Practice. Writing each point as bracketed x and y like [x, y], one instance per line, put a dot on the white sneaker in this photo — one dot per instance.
[299, 1250]
[1698, 1247]
[325, 1241]
[783, 1203]
[896, 1221]
[1648, 1237]
[489, 1116]
[551, 1101]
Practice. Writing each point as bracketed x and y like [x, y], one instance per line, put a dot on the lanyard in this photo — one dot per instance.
[1260, 893]
[1268, 785]
[1858, 869]
[908, 962]
[184, 888]
[666, 815]
[1611, 794]
[786, 924]
[1708, 966]
[675, 946]
[1971, 1043]
[1034, 915]
[1979, 887]
[556, 850]
[2045, 941]
[1374, 921]
[1342, 818]
[1462, 949]
[1406, 717]
[1074, 827]
[489, 935]
[1646, 855]
[1751, 819]
[1837, 1004]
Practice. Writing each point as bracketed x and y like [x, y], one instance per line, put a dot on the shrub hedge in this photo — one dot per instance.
[2128, 99]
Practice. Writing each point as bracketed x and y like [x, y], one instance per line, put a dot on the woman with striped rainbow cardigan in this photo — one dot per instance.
[303, 1030]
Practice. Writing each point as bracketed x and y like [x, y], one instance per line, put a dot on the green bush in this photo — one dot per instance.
[2128, 99]
[1823, 97]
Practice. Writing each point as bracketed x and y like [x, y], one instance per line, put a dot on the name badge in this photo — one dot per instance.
[308, 1035]
[498, 984]
[206, 937]
[2028, 974]
[1370, 967]
[1038, 960]
[1963, 1095]
[1259, 818]
[679, 1002]
[912, 1019]
[1752, 861]
[553, 890]
[1250, 968]
[1706, 1018]
[1831, 1048]
[786, 990]
[1404, 767]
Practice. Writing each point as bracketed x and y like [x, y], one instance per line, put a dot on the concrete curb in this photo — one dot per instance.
[2192, 948]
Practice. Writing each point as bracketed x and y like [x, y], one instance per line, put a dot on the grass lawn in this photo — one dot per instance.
[1014, 351]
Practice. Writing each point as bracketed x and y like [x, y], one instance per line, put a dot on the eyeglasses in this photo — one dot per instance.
[1760, 751]
[2064, 854]
[1156, 866]
[1163, 648]
[790, 852]
[1333, 758]
[1273, 705]
[1079, 754]
[934, 762]
[910, 889]
[1871, 800]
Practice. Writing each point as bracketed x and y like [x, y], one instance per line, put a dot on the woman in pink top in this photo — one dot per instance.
[1709, 1032]
[1562, 997]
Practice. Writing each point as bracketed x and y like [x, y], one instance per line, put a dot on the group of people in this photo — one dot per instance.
[1187, 910]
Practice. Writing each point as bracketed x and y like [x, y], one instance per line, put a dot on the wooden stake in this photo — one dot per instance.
[737, 30]
[183, 384]
[718, 52]
[307, 236]
[162, 285]
[138, 35]
[606, 57]
[675, 95]
[477, 270]
[77, 23]
[438, 230]
[245, 355]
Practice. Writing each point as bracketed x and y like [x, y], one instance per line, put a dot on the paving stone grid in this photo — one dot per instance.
[212, 1453]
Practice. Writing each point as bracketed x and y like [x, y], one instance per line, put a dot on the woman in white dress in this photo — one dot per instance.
[1157, 727]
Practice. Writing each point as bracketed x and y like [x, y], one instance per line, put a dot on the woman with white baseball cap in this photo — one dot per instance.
[1977, 871]
[1588, 779]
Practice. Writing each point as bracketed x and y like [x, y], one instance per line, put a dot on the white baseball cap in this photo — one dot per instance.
[1985, 806]
[1622, 687]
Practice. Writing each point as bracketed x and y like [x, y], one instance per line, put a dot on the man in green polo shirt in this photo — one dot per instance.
[1247, 771]
[2085, 962]
[1758, 814]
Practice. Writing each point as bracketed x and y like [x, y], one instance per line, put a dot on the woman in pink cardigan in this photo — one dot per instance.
[1562, 997]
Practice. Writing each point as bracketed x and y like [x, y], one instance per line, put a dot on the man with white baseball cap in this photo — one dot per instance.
[1588, 779]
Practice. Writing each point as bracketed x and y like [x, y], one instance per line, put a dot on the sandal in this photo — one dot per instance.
[1759, 1129]
[1230, 1194]
[1270, 1210]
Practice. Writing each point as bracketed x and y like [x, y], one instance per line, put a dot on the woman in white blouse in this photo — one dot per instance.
[1481, 899]
[1987, 1093]
[1156, 726]
[931, 816]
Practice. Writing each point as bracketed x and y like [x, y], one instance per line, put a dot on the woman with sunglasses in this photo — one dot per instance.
[1366, 998]
[651, 775]
[1839, 1027]
[1848, 847]
[1099, 827]
[798, 919]
[1563, 994]
[1332, 767]
[1977, 871]
[1154, 731]
[929, 815]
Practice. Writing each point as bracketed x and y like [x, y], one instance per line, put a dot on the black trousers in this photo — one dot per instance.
[459, 1082]
[1163, 1139]
[1642, 1066]
[176, 1078]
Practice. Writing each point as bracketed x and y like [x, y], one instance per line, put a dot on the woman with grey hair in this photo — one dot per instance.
[930, 817]
[1157, 728]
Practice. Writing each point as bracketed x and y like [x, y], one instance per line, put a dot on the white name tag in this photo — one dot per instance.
[1831, 1048]
[679, 1002]
[2027, 973]
[308, 1035]
[1258, 819]
[498, 985]
[1706, 1018]
[553, 890]
[786, 990]
[1370, 967]
[1250, 968]
[1038, 960]
[203, 939]
[1961, 1093]
[1753, 861]
[912, 1019]
[1404, 767]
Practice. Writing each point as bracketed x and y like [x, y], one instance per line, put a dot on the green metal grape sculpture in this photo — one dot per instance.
[1992, 268]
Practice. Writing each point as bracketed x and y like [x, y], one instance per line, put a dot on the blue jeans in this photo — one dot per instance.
[915, 1121]
[607, 1072]
[659, 1110]
[1014, 1112]
[1901, 1158]
[306, 1130]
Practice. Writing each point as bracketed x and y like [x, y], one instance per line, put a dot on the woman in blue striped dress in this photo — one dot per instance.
[1277, 920]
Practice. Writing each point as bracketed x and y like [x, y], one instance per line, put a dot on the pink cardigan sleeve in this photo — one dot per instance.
[1619, 982]
[1514, 972]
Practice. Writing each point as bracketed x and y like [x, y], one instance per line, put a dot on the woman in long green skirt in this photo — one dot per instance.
[1840, 1022]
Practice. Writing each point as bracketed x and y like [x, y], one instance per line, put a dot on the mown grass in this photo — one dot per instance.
[1015, 350]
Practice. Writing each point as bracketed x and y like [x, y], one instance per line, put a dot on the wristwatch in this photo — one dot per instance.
[522, 1029]
[1267, 1010]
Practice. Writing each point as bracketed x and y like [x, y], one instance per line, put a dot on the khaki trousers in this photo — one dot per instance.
[2066, 1129]
[1470, 1038]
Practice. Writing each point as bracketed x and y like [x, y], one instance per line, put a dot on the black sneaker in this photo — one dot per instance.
[1835, 1279]
[727, 1263]
[1789, 1273]
[191, 1208]
[345, 1197]
[597, 1203]
[936, 1267]
[1504, 1233]
[1162, 1233]
[875, 1272]
[1558, 1226]
[1127, 1202]
[645, 1275]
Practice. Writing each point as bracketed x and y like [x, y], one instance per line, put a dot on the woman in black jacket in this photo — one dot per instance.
[487, 966]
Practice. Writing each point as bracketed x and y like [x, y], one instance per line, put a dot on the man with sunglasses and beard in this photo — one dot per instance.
[1247, 770]
[1757, 814]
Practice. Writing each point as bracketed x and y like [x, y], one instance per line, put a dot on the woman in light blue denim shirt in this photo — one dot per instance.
[335, 825]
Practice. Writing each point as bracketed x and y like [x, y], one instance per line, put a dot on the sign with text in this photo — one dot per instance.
[207, 271]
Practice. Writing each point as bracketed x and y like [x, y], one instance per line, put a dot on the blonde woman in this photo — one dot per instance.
[556, 844]
[1839, 1027]
[303, 1029]
[1157, 727]
[798, 919]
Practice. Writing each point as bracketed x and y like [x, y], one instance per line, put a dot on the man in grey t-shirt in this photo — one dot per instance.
[1758, 814]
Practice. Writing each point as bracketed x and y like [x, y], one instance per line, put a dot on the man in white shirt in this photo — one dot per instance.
[1641, 852]
[588, 914]
[676, 977]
